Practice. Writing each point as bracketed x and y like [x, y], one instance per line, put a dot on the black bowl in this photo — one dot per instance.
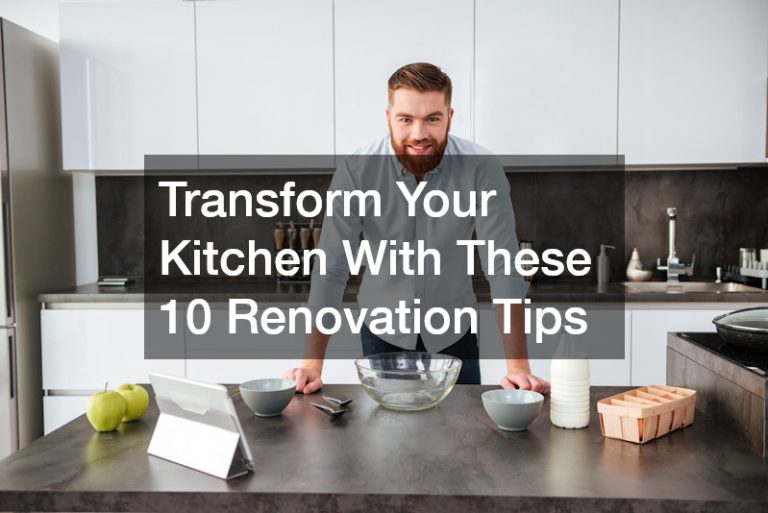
[746, 328]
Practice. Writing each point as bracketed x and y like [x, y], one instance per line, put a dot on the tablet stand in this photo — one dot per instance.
[208, 441]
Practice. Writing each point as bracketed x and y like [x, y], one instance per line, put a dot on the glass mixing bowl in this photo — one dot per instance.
[408, 381]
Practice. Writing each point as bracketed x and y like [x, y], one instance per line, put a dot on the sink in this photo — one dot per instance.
[686, 287]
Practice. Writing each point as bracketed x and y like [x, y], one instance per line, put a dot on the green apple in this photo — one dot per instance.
[105, 410]
[136, 399]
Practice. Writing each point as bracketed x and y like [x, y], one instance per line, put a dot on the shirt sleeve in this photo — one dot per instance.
[498, 226]
[328, 290]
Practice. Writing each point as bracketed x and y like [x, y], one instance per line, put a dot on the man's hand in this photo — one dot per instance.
[307, 379]
[525, 381]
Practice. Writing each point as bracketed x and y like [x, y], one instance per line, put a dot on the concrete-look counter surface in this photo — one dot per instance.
[451, 458]
[270, 291]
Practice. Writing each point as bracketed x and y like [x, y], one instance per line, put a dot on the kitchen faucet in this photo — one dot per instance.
[674, 266]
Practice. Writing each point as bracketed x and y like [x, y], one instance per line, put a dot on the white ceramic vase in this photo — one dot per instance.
[635, 270]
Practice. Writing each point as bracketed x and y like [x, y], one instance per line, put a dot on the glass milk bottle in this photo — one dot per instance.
[569, 393]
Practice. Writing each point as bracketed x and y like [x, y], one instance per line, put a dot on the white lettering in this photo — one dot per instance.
[167, 258]
[172, 186]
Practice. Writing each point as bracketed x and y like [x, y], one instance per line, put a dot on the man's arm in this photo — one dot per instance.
[328, 290]
[499, 226]
[516, 348]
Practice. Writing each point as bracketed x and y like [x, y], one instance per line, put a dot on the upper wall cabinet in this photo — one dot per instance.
[265, 77]
[693, 81]
[374, 38]
[546, 76]
[127, 82]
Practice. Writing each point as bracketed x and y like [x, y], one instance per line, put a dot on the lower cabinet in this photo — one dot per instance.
[84, 348]
[61, 409]
[649, 337]
[281, 352]
[602, 372]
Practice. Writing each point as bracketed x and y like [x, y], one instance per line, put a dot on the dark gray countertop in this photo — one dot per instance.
[451, 458]
[269, 291]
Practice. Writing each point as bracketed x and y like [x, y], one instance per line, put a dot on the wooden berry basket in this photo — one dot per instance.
[646, 413]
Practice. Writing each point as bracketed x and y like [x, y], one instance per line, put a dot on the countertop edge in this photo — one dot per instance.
[482, 298]
[118, 501]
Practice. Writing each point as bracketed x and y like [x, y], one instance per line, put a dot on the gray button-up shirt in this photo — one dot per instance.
[465, 167]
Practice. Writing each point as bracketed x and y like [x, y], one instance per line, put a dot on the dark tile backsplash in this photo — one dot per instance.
[718, 212]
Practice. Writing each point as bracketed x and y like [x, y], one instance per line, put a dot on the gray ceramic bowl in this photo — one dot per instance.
[267, 397]
[512, 410]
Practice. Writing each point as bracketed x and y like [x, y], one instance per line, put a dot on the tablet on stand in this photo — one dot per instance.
[198, 427]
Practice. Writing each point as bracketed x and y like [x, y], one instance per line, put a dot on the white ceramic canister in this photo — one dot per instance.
[569, 396]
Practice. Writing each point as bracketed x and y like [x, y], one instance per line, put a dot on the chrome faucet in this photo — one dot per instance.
[674, 266]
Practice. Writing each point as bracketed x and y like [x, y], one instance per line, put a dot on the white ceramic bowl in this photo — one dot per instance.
[512, 410]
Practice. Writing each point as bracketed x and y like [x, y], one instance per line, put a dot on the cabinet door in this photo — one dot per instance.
[281, 352]
[692, 85]
[649, 339]
[83, 349]
[546, 76]
[601, 371]
[127, 82]
[373, 39]
[62, 409]
[237, 371]
[265, 77]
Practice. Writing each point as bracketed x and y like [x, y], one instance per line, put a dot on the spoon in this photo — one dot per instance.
[339, 402]
[329, 411]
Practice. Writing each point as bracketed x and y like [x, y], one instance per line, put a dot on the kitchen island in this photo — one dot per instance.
[450, 458]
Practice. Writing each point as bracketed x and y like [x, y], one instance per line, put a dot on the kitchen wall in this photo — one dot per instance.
[718, 212]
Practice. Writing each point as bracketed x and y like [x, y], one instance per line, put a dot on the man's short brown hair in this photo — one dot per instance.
[423, 77]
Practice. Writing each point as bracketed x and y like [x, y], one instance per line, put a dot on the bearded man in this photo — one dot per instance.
[419, 148]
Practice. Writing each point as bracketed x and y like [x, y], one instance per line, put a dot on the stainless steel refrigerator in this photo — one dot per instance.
[37, 253]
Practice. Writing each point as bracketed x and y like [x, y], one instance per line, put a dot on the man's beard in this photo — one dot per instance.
[420, 165]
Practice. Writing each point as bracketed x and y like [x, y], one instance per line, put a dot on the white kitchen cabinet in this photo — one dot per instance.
[649, 337]
[282, 352]
[82, 349]
[265, 77]
[373, 39]
[613, 371]
[237, 371]
[127, 82]
[61, 409]
[692, 81]
[546, 76]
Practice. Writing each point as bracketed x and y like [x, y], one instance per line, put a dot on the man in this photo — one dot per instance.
[419, 116]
